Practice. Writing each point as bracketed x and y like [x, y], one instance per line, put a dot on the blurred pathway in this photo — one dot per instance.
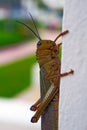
[16, 52]
[19, 51]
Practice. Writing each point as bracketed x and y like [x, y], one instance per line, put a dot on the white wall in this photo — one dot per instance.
[73, 92]
[15, 115]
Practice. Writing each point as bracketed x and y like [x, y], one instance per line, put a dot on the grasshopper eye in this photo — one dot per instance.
[39, 44]
[52, 65]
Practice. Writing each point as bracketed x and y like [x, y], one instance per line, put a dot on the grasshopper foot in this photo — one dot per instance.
[34, 119]
[71, 71]
[33, 108]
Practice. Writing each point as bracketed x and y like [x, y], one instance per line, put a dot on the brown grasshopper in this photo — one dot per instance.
[50, 67]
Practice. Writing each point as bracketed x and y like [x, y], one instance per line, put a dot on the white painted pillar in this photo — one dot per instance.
[73, 91]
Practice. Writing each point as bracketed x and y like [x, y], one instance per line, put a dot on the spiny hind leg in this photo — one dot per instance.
[46, 100]
[36, 105]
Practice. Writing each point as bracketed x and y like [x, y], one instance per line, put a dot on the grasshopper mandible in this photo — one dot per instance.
[50, 67]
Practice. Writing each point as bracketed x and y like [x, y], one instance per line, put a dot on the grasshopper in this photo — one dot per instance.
[50, 66]
[50, 74]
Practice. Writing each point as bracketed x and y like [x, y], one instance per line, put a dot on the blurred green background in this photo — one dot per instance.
[15, 75]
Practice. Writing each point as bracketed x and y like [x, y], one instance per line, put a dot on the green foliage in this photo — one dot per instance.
[41, 4]
[12, 32]
[15, 77]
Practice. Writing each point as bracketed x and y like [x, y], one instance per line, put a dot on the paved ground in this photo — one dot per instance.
[16, 52]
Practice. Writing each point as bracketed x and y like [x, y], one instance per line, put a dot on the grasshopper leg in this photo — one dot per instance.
[34, 119]
[48, 97]
[59, 75]
[35, 106]
[61, 34]
[67, 73]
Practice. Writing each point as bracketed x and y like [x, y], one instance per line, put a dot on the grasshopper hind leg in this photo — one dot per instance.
[35, 106]
[34, 119]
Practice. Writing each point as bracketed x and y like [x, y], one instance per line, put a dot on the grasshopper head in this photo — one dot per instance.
[45, 44]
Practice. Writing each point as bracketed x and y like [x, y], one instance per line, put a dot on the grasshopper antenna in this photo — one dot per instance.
[34, 25]
[29, 29]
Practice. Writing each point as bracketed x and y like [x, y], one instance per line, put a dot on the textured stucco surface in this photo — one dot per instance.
[73, 92]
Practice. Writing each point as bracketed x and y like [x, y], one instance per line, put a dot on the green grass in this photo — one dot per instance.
[12, 32]
[8, 38]
[15, 77]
